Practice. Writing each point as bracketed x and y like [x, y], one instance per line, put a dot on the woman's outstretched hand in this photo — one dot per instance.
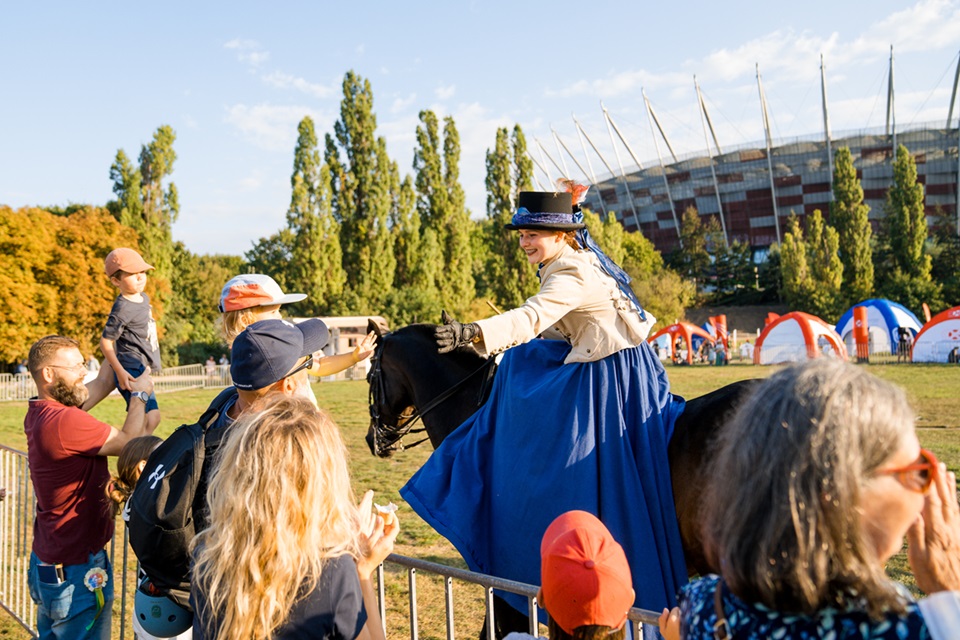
[377, 535]
[934, 539]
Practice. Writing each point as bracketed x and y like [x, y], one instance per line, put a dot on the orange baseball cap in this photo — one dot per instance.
[584, 572]
[254, 290]
[124, 259]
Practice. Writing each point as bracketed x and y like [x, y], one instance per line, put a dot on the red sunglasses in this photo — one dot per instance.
[917, 476]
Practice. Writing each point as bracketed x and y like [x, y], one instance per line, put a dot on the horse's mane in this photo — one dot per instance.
[421, 335]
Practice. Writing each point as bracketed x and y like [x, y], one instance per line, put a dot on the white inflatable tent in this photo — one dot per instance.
[884, 318]
[797, 336]
[938, 337]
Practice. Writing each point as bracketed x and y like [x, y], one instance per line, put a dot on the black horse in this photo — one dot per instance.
[410, 381]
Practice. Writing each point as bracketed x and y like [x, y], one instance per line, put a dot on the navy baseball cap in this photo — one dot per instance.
[266, 351]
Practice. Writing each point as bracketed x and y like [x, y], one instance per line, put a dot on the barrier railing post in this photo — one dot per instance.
[491, 629]
[448, 601]
[412, 582]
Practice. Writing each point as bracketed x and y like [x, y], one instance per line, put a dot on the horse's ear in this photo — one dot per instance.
[445, 318]
[378, 328]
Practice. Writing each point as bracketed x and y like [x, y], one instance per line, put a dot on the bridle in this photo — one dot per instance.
[387, 437]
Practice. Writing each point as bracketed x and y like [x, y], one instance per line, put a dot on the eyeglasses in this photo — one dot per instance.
[77, 368]
[300, 367]
[917, 476]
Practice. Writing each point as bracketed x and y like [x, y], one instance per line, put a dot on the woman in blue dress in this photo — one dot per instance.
[578, 420]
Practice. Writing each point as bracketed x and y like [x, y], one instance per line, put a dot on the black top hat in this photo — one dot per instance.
[550, 210]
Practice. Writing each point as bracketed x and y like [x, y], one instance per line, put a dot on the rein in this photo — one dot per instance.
[389, 437]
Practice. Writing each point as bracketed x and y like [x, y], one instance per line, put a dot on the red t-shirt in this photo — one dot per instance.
[68, 479]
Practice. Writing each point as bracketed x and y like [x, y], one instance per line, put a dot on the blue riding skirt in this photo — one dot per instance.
[554, 437]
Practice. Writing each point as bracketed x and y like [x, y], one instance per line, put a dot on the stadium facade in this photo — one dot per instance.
[753, 207]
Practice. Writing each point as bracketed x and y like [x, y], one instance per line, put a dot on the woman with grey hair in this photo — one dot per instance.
[815, 484]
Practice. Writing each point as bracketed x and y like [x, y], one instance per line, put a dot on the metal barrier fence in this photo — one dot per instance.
[18, 508]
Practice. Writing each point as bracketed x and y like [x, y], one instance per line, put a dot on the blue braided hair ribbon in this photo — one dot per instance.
[609, 267]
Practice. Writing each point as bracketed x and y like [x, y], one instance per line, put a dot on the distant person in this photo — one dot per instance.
[129, 342]
[22, 368]
[66, 450]
[93, 365]
[224, 361]
[587, 588]
[211, 369]
[954, 356]
[746, 351]
[287, 553]
[904, 342]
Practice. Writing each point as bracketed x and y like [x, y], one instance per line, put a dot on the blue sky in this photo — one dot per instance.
[234, 79]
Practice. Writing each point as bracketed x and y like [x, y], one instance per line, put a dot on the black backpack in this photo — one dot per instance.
[168, 505]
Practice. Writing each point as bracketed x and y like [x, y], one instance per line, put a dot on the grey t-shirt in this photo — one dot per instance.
[132, 328]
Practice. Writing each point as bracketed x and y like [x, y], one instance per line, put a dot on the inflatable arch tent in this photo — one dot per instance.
[938, 337]
[797, 336]
[666, 338]
[884, 318]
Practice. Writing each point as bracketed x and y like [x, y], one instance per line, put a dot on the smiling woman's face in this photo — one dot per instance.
[540, 245]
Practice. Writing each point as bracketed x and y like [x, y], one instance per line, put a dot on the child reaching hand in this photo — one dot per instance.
[253, 297]
[129, 342]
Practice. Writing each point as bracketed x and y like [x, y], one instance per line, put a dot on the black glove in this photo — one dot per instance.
[452, 334]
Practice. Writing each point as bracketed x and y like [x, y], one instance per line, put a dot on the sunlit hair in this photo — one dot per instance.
[780, 514]
[570, 237]
[121, 484]
[232, 323]
[44, 350]
[280, 504]
[586, 632]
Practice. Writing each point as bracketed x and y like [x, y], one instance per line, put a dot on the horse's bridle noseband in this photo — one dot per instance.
[388, 438]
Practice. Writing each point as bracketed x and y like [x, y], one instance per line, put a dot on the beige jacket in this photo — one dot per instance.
[577, 302]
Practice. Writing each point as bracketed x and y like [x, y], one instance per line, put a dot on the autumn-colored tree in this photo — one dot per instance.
[54, 265]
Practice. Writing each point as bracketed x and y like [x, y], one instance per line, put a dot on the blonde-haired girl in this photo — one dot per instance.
[287, 553]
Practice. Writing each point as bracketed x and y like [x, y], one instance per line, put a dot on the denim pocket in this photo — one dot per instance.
[53, 599]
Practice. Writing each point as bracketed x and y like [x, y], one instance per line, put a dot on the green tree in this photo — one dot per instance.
[361, 175]
[945, 256]
[811, 267]
[315, 266]
[510, 278]
[850, 217]
[908, 278]
[442, 209]
[692, 259]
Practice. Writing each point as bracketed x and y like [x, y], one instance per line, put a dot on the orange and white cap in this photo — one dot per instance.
[254, 290]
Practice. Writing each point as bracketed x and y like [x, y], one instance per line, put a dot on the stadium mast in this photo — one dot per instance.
[566, 172]
[766, 129]
[891, 111]
[543, 150]
[826, 120]
[953, 99]
[623, 174]
[713, 171]
[636, 220]
[606, 114]
[663, 171]
[590, 179]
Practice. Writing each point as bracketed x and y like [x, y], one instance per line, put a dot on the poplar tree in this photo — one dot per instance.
[509, 277]
[850, 217]
[360, 177]
[315, 267]
[908, 279]
[458, 289]
[811, 268]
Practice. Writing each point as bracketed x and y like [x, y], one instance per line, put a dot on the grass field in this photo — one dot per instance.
[932, 389]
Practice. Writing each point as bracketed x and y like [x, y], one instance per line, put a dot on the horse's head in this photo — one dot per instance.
[405, 372]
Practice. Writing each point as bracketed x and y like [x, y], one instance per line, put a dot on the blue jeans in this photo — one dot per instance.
[64, 610]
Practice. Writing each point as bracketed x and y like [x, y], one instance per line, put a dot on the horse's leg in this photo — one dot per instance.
[506, 620]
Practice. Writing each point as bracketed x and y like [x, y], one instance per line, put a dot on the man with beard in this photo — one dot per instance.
[69, 575]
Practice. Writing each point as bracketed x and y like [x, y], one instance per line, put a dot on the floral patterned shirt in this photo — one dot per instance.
[748, 621]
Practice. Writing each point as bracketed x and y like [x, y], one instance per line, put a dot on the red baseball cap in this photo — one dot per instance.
[254, 290]
[584, 572]
[124, 259]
